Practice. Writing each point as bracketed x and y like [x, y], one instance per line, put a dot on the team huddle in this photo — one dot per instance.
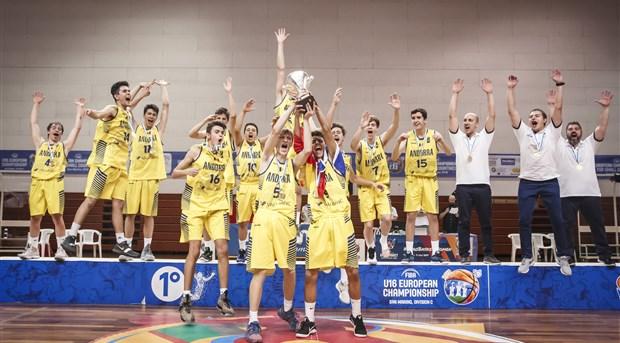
[263, 176]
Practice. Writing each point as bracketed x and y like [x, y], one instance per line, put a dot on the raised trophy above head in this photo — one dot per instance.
[298, 84]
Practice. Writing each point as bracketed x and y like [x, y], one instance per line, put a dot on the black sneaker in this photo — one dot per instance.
[252, 334]
[241, 256]
[359, 329]
[372, 256]
[69, 244]
[289, 316]
[607, 261]
[306, 329]
[407, 257]
[185, 309]
[436, 257]
[490, 259]
[206, 256]
[224, 306]
[123, 248]
[465, 260]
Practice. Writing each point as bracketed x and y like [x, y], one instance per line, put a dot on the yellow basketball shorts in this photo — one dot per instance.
[246, 201]
[106, 182]
[214, 222]
[142, 197]
[331, 243]
[47, 196]
[273, 237]
[422, 193]
[373, 203]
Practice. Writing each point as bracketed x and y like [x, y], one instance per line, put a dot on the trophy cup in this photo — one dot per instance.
[297, 84]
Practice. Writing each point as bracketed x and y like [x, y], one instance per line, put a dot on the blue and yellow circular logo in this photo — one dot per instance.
[461, 286]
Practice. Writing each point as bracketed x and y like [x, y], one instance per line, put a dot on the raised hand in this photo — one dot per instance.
[309, 111]
[228, 85]
[556, 76]
[210, 118]
[162, 83]
[281, 35]
[605, 99]
[512, 81]
[486, 85]
[38, 97]
[551, 96]
[458, 85]
[80, 102]
[249, 105]
[337, 96]
[394, 101]
[365, 119]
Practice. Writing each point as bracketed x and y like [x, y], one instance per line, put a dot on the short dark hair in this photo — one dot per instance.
[541, 111]
[49, 126]
[574, 123]
[215, 123]
[420, 110]
[224, 111]
[317, 133]
[375, 119]
[250, 124]
[338, 125]
[151, 107]
[117, 86]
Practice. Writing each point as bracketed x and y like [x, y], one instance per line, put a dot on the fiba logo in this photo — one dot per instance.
[461, 286]
[410, 273]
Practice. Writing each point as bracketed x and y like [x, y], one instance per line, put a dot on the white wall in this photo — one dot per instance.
[371, 48]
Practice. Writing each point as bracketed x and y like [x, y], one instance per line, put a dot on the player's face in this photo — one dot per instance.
[372, 128]
[470, 123]
[123, 96]
[537, 121]
[55, 133]
[216, 136]
[222, 117]
[250, 133]
[285, 141]
[318, 147]
[150, 117]
[417, 121]
[573, 132]
[338, 135]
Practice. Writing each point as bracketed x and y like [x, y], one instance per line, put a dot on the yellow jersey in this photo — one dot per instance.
[147, 155]
[372, 162]
[228, 148]
[248, 162]
[421, 155]
[207, 190]
[50, 161]
[282, 107]
[276, 188]
[111, 142]
[334, 200]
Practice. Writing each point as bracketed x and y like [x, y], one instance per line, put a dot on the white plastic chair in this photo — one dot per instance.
[516, 244]
[44, 242]
[89, 237]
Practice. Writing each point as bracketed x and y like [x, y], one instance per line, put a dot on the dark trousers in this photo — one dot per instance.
[591, 209]
[549, 191]
[478, 197]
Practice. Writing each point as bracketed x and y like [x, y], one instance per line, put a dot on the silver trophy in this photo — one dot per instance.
[298, 84]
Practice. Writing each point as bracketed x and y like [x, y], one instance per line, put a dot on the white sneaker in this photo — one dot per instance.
[343, 292]
[524, 268]
[31, 252]
[60, 255]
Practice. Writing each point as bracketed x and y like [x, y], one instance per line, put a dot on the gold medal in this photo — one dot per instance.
[469, 158]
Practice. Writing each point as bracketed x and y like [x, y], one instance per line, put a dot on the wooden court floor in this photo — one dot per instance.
[51, 323]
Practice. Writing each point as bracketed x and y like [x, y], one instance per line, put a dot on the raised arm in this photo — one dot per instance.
[399, 147]
[77, 126]
[281, 36]
[195, 131]
[442, 143]
[106, 113]
[487, 87]
[391, 131]
[453, 120]
[601, 128]
[515, 118]
[232, 106]
[165, 107]
[556, 116]
[272, 140]
[302, 157]
[184, 168]
[37, 99]
[329, 120]
[326, 129]
[144, 90]
[357, 136]
[237, 135]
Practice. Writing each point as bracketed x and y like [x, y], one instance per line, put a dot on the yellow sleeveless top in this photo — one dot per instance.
[372, 162]
[276, 188]
[421, 155]
[50, 161]
[111, 142]
[147, 155]
[334, 201]
[248, 162]
[207, 190]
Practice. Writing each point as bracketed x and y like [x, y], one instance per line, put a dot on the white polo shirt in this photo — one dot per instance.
[577, 168]
[474, 170]
[538, 151]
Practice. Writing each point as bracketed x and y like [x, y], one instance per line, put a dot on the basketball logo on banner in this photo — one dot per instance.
[461, 286]
[167, 283]
[618, 286]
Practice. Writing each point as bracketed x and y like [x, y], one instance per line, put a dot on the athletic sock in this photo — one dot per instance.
[288, 305]
[73, 231]
[343, 276]
[253, 316]
[435, 246]
[120, 238]
[310, 310]
[129, 240]
[356, 307]
[242, 244]
[33, 241]
[409, 246]
[147, 241]
[59, 240]
[222, 290]
[383, 241]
